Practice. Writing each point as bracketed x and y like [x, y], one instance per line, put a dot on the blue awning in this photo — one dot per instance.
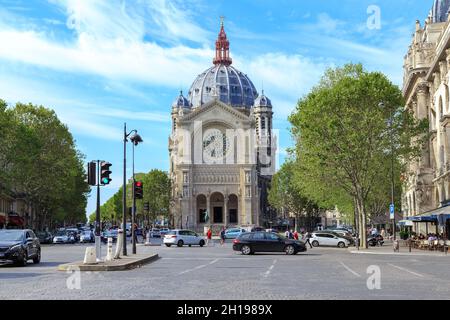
[439, 215]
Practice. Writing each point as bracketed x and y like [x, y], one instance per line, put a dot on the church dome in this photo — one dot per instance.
[440, 10]
[222, 81]
[181, 102]
[263, 101]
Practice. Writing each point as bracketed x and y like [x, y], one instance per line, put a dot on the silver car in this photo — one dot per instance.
[328, 240]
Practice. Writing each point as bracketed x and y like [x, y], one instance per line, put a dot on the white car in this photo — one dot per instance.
[86, 237]
[328, 239]
[63, 237]
[183, 237]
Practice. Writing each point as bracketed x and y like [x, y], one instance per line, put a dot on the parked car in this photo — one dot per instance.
[183, 237]
[113, 233]
[44, 237]
[233, 233]
[87, 237]
[63, 237]
[342, 234]
[328, 239]
[249, 243]
[155, 233]
[19, 246]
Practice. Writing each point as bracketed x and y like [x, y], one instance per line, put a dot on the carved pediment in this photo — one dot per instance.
[217, 107]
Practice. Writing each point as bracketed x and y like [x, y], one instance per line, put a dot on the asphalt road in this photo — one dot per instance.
[219, 273]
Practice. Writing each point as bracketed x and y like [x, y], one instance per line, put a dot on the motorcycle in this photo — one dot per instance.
[375, 240]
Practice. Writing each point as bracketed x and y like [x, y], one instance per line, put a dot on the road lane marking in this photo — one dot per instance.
[270, 269]
[350, 270]
[406, 270]
[198, 267]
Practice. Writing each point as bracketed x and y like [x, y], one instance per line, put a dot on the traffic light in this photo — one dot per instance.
[138, 190]
[92, 173]
[105, 173]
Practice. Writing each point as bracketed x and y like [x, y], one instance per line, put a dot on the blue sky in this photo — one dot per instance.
[100, 63]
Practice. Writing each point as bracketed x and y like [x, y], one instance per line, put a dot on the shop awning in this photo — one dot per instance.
[405, 223]
[439, 215]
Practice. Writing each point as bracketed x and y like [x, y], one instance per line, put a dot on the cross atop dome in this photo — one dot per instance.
[222, 47]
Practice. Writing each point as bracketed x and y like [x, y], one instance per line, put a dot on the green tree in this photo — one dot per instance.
[40, 160]
[285, 195]
[343, 138]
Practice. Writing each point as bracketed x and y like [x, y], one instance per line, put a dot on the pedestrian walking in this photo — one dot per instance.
[208, 237]
[295, 235]
[307, 239]
[222, 236]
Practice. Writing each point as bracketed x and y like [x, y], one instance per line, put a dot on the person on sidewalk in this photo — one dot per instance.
[222, 236]
[296, 235]
[208, 237]
[307, 239]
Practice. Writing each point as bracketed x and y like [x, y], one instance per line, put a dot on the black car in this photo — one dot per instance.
[45, 237]
[110, 234]
[249, 243]
[19, 246]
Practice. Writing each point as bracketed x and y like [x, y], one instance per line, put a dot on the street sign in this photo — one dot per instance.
[392, 211]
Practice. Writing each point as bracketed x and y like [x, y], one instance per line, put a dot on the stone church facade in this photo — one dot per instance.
[426, 89]
[221, 148]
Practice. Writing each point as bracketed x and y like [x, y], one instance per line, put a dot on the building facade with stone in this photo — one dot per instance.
[426, 89]
[221, 148]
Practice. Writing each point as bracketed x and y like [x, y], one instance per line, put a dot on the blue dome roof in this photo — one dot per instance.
[225, 83]
[263, 101]
[181, 102]
[440, 10]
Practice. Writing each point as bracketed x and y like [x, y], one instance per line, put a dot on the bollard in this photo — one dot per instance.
[90, 256]
[147, 241]
[119, 244]
[98, 250]
[109, 256]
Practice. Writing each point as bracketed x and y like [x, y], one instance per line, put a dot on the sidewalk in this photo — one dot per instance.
[124, 263]
[387, 249]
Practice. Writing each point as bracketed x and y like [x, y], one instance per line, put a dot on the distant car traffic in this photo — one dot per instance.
[19, 246]
[327, 239]
[250, 243]
[110, 234]
[63, 237]
[155, 233]
[44, 237]
[87, 236]
[163, 231]
[341, 234]
[183, 237]
[233, 233]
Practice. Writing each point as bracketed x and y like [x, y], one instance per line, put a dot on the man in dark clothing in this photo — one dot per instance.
[307, 238]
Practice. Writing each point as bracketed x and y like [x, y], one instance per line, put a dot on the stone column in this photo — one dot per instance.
[226, 213]
[422, 106]
[208, 207]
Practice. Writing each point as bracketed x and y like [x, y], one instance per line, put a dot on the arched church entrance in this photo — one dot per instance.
[217, 208]
[233, 211]
[201, 208]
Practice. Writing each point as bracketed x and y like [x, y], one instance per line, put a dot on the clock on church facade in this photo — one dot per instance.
[221, 149]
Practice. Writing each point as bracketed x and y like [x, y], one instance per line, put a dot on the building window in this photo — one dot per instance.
[185, 177]
[248, 193]
[202, 215]
[185, 192]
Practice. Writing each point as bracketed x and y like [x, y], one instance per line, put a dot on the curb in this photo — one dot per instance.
[119, 265]
[398, 254]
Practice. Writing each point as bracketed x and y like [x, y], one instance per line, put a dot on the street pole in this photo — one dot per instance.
[124, 200]
[392, 171]
[97, 216]
[133, 215]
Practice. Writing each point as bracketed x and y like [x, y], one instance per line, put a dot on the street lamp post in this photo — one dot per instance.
[124, 198]
[391, 136]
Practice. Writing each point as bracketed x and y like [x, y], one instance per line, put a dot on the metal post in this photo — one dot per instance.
[124, 200]
[97, 216]
[133, 215]
[392, 171]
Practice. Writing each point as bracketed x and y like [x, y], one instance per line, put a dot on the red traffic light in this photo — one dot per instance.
[138, 184]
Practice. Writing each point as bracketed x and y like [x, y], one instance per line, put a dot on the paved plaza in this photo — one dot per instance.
[217, 272]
